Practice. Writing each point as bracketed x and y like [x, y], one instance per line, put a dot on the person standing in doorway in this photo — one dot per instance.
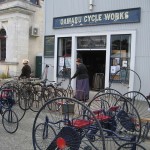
[26, 69]
[82, 81]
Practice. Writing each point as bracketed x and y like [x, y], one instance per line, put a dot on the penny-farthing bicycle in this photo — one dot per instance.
[119, 119]
[69, 128]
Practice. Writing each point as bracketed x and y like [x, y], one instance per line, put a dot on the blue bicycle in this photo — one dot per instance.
[9, 118]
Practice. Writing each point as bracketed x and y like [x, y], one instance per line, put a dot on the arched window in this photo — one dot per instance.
[2, 44]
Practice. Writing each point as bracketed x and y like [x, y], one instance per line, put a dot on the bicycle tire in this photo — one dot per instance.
[106, 90]
[45, 132]
[38, 97]
[121, 83]
[26, 96]
[10, 119]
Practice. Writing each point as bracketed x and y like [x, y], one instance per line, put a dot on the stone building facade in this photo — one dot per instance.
[21, 34]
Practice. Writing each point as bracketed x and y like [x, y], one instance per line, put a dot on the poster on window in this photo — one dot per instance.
[61, 61]
[68, 62]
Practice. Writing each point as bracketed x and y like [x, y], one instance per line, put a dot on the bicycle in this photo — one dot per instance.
[119, 119]
[14, 86]
[9, 117]
[43, 92]
[66, 128]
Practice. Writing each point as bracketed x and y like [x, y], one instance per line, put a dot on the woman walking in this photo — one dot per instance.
[82, 81]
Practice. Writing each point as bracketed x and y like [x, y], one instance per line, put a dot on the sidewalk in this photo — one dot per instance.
[22, 139]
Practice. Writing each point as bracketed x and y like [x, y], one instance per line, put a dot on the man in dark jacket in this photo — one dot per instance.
[26, 69]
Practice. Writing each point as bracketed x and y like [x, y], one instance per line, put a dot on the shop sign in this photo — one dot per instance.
[99, 18]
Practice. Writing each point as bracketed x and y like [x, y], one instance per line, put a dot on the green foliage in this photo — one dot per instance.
[4, 76]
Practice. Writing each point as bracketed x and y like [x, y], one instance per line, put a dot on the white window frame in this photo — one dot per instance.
[107, 67]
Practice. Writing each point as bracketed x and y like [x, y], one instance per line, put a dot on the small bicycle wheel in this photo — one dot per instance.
[120, 80]
[10, 121]
[131, 146]
[44, 132]
[73, 126]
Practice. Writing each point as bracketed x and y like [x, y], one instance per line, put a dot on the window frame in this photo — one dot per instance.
[122, 58]
[64, 51]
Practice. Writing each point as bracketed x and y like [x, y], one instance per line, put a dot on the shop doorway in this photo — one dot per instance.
[95, 62]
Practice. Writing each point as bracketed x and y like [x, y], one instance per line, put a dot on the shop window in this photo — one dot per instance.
[64, 54]
[49, 46]
[2, 44]
[120, 55]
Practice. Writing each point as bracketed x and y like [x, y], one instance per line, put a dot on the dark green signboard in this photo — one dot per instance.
[49, 46]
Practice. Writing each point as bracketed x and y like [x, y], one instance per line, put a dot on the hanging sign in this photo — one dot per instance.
[99, 18]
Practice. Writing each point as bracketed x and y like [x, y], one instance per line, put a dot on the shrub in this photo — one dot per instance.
[4, 76]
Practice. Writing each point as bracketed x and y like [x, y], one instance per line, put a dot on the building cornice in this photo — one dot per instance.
[16, 6]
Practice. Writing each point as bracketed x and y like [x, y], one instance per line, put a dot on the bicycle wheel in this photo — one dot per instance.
[131, 146]
[26, 96]
[107, 90]
[10, 121]
[39, 94]
[44, 132]
[10, 84]
[70, 127]
[118, 117]
[142, 105]
[120, 80]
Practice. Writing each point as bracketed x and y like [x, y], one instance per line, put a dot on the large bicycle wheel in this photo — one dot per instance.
[70, 127]
[107, 90]
[131, 146]
[119, 119]
[120, 80]
[10, 121]
[142, 105]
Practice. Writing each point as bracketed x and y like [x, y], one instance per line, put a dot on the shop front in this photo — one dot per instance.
[103, 55]
[106, 41]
